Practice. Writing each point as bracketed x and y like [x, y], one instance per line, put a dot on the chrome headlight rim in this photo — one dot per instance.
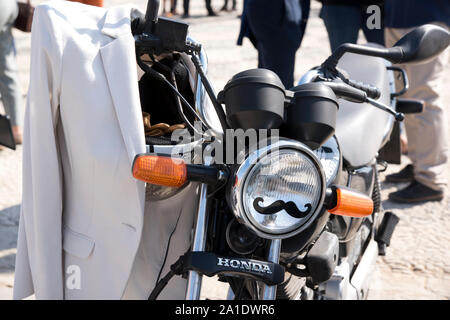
[333, 144]
[241, 179]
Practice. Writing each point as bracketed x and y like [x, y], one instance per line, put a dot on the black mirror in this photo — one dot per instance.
[422, 44]
[151, 15]
[419, 45]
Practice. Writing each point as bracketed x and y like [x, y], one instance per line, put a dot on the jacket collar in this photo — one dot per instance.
[119, 63]
[117, 21]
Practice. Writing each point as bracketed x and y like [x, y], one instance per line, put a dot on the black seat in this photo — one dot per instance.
[361, 128]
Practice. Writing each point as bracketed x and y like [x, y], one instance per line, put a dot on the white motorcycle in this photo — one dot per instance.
[300, 216]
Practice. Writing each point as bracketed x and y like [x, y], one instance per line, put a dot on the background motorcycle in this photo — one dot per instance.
[300, 217]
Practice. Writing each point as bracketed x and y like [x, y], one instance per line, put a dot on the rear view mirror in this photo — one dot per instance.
[419, 45]
[422, 44]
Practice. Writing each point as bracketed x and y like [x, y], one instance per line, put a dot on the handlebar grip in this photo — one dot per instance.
[347, 92]
[372, 91]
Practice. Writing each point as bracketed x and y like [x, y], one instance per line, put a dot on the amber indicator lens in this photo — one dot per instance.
[163, 171]
[352, 204]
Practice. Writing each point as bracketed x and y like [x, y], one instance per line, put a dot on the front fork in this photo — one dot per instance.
[195, 279]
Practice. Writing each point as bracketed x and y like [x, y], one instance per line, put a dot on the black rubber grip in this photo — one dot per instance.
[372, 91]
[409, 105]
[347, 92]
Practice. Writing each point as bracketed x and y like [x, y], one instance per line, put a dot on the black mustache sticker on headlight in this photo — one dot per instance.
[277, 206]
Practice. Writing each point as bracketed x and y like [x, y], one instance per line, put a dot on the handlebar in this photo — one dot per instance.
[371, 91]
[348, 92]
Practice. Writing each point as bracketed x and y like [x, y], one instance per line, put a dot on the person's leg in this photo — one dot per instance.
[209, 8]
[225, 6]
[342, 24]
[277, 43]
[8, 13]
[278, 58]
[186, 7]
[427, 132]
[173, 7]
[372, 35]
[10, 90]
[261, 62]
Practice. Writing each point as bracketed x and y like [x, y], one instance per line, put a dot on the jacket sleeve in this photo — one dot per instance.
[39, 267]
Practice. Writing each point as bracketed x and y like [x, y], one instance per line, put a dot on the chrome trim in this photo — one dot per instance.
[195, 279]
[194, 284]
[332, 144]
[240, 178]
[366, 266]
[390, 124]
[309, 76]
[270, 292]
[203, 105]
[344, 286]
[176, 148]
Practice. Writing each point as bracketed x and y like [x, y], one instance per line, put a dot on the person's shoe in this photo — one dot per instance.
[224, 8]
[185, 16]
[416, 192]
[404, 175]
[212, 14]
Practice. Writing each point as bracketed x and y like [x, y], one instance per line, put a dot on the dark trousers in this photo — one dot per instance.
[225, 4]
[280, 60]
[344, 22]
[277, 40]
[174, 6]
[186, 6]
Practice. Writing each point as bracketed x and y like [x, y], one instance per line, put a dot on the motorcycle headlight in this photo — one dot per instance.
[330, 158]
[278, 189]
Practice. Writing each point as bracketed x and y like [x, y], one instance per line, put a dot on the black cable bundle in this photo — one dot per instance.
[158, 99]
[177, 268]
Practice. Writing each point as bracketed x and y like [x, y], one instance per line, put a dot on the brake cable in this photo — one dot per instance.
[175, 269]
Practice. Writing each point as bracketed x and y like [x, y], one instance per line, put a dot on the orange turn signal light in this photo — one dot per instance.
[352, 204]
[163, 171]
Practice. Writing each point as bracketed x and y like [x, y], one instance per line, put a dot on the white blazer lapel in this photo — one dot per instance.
[119, 62]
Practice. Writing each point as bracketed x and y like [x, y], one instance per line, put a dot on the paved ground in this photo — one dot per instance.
[417, 265]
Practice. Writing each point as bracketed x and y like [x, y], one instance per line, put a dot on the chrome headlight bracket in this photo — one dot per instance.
[330, 157]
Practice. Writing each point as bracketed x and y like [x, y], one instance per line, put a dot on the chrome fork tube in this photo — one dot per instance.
[270, 292]
[195, 279]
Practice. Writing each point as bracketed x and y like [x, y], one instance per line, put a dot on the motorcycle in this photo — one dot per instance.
[296, 212]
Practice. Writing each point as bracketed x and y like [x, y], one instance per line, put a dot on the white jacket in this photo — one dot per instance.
[82, 213]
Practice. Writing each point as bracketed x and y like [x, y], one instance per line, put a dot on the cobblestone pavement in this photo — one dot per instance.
[417, 265]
